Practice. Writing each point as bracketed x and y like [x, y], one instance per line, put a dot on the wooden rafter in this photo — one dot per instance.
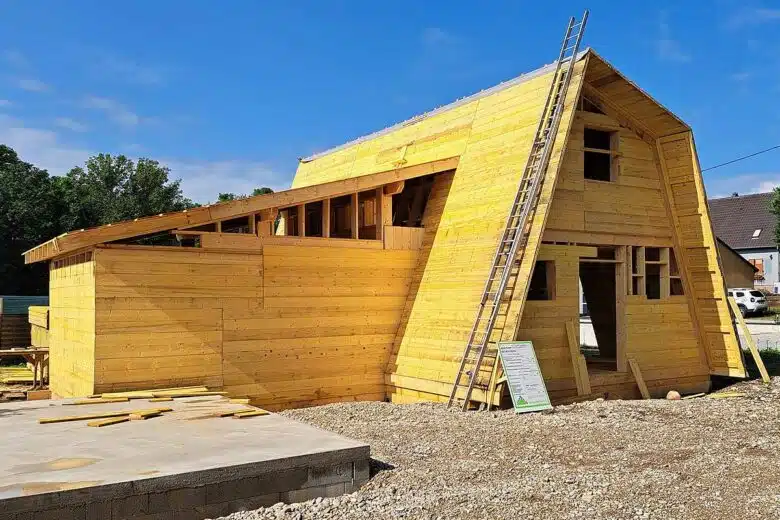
[73, 241]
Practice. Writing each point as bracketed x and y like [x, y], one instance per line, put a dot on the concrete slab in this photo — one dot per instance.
[184, 462]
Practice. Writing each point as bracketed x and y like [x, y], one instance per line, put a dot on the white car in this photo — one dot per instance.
[749, 301]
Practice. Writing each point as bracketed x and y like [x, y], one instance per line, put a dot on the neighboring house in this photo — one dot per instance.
[745, 224]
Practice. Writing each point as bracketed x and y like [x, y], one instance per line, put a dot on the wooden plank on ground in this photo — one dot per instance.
[253, 413]
[107, 422]
[749, 339]
[106, 415]
[640, 382]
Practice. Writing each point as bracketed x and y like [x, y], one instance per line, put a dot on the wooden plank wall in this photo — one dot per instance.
[493, 136]
[288, 326]
[72, 325]
[544, 322]
[631, 208]
[158, 314]
[326, 327]
[678, 159]
[660, 334]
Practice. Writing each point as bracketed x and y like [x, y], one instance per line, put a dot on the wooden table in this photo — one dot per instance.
[37, 357]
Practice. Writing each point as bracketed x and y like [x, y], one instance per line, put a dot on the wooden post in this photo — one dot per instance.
[218, 226]
[640, 382]
[640, 270]
[252, 224]
[749, 339]
[326, 218]
[380, 229]
[620, 307]
[302, 220]
[664, 272]
[354, 216]
[578, 362]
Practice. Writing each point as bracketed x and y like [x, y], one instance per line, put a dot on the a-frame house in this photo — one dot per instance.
[362, 281]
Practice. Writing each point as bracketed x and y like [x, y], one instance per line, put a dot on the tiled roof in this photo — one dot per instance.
[735, 220]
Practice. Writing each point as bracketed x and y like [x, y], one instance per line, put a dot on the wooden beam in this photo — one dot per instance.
[219, 226]
[354, 215]
[253, 224]
[326, 218]
[640, 382]
[749, 340]
[574, 352]
[620, 308]
[301, 220]
[394, 188]
[379, 195]
[76, 240]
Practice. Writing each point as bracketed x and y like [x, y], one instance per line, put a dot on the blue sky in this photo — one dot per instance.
[230, 94]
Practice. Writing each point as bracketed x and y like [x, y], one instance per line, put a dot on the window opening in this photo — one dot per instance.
[598, 155]
[542, 286]
[409, 205]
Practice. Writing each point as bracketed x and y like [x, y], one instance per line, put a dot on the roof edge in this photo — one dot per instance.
[444, 108]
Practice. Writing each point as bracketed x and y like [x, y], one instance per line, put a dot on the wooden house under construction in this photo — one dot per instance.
[362, 281]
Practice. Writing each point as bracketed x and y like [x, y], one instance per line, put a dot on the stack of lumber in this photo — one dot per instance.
[153, 396]
[14, 327]
[38, 318]
[16, 375]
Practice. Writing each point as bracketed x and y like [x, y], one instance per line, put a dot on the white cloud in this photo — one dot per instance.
[70, 124]
[32, 85]
[43, 148]
[668, 48]
[753, 16]
[14, 58]
[115, 111]
[5, 103]
[202, 181]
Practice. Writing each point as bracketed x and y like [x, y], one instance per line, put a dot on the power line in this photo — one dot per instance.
[741, 158]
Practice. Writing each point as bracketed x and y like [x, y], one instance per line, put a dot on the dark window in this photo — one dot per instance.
[676, 287]
[597, 139]
[653, 281]
[542, 281]
[740, 294]
[598, 166]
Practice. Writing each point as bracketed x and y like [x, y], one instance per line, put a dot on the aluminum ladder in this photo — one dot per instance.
[511, 249]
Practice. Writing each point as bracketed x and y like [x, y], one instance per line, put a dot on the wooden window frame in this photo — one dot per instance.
[613, 152]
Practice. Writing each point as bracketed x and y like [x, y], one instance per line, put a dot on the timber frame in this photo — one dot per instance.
[351, 285]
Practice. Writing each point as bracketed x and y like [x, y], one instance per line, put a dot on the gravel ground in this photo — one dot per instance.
[695, 459]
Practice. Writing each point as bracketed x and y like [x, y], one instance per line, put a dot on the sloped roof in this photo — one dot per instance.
[735, 219]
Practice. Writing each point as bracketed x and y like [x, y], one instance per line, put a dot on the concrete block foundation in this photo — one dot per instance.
[184, 464]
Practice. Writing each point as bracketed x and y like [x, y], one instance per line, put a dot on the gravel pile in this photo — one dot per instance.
[693, 459]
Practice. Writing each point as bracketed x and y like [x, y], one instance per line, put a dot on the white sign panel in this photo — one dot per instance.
[526, 384]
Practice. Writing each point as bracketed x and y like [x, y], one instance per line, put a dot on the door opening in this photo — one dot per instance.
[598, 324]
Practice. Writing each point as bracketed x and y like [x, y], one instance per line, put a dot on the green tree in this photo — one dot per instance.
[30, 207]
[35, 207]
[227, 197]
[114, 188]
[774, 207]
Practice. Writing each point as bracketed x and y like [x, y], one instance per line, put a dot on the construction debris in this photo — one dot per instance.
[726, 395]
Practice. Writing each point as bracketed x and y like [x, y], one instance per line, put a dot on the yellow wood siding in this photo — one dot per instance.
[463, 219]
[288, 326]
[688, 201]
[326, 327]
[158, 315]
[72, 326]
